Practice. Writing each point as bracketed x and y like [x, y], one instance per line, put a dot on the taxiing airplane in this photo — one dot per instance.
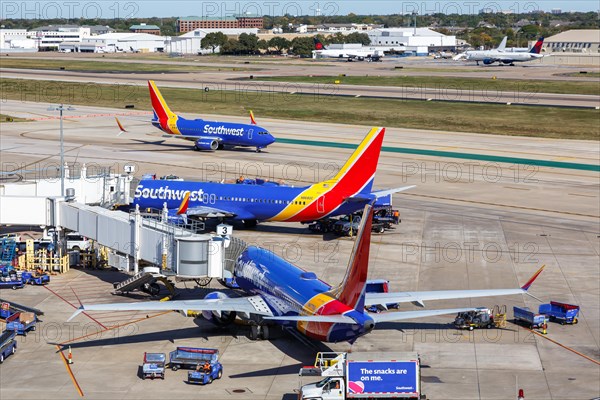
[501, 47]
[492, 56]
[281, 293]
[207, 135]
[254, 200]
[351, 54]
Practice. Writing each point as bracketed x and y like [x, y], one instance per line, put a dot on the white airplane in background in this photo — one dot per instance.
[465, 55]
[503, 57]
[278, 292]
[359, 54]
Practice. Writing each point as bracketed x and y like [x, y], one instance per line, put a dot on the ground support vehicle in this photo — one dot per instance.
[561, 312]
[479, 318]
[11, 281]
[8, 344]
[154, 365]
[379, 286]
[204, 377]
[364, 375]
[529, 318]
[21, 322]
[35, 279]
[192, 357]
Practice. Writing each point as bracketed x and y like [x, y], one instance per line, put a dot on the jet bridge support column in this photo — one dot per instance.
[137, 220]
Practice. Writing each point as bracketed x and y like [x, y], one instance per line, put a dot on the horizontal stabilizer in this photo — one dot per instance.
[386, 192]
[336, 319]
[402, 315]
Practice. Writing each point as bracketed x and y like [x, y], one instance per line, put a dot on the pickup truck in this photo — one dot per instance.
[154, 365]
[8, 344]
[21, 322]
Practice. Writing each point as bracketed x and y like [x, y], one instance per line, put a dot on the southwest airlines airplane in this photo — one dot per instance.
[256, 200]
[281, 293]
[207, 135]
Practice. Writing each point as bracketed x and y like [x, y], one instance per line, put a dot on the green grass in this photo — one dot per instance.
[7, 118]
[588, 74]
[105, 66]
[478, 84]
[550, 122]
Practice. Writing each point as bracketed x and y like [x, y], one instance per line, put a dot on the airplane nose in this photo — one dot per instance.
[271, 139]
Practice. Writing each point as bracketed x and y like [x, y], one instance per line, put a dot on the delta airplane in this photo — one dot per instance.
[207, 135]
[491, 56]
[360, 54]
[279, 292]
[255, 200]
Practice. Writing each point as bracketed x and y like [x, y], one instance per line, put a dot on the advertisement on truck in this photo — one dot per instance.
[382, 377]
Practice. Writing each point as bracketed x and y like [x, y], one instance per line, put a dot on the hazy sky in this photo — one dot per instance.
[158, 8]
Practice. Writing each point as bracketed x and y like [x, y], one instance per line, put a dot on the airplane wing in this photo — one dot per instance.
[383, 193]
[419, 298]
[193, 137]
[213, 212]
[401, 315]
[244, 305]
[335, 318]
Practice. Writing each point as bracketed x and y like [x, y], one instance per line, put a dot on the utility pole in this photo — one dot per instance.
[61, 108]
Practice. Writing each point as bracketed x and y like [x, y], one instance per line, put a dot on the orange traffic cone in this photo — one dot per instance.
[70, 357]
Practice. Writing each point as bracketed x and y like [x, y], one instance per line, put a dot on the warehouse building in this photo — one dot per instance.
[574, 41]
[187, 24]
[420, 41]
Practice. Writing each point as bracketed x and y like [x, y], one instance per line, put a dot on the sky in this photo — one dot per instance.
[165, 8]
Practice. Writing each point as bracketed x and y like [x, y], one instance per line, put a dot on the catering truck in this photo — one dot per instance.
[365, 375]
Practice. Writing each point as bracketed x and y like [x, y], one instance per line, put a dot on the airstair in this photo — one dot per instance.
[133, 283]
[8, 248]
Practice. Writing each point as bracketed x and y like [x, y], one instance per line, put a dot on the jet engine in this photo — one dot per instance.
[488, 61]
[206, 144]
[219, 318]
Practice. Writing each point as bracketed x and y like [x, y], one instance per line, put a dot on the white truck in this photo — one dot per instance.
[364, 375]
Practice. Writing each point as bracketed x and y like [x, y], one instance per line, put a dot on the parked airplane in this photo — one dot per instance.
[257, 200]
[465, 55]
[491, 56]
[207, 135]
[351, 54]
[280, 292]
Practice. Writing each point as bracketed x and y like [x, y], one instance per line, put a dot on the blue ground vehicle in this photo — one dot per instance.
[530, 318]
[561, 312]
[34, 279]
[154, 365]
[11, 281]
[8, 345]
[21, 323]
[379, 286]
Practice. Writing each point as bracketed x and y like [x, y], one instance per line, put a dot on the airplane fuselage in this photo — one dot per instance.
[499, 56]
[262, 202]
[290, 291]
[225, 133]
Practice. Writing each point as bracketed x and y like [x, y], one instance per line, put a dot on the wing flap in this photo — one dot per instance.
[336, 318]
[402, 315]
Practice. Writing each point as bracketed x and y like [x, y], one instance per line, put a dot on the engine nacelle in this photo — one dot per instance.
[206, 144]
[218, 318]
[488, 61]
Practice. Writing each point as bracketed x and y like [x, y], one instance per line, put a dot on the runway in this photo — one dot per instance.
[469, 224]
[239, 81]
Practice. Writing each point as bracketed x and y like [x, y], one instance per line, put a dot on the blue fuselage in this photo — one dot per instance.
[289, 290]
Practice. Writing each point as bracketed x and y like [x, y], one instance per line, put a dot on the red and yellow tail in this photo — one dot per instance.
[166, 118]
[184, 204]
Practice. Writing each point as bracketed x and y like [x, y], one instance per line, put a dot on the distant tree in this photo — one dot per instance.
[248, 43]
[213, 40]
[279, 43]
[302, 46]
[357, 37]
[530, 31]
[232, 46]
[263, 45]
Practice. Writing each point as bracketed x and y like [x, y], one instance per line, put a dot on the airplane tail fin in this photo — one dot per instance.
[537, 47]
[352, 289]
[358, 173]
[318, 44]
[121, 127]
[502, 44]
[252, 120]
[184, 204]
[161, 110]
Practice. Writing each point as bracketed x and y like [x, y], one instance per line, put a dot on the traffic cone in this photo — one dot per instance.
[544, 328]
[70, 357]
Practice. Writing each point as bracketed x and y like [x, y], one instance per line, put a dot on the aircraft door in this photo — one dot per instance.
[250, 131]
[321, 204]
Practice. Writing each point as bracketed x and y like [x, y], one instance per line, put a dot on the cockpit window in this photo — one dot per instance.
[263, 133]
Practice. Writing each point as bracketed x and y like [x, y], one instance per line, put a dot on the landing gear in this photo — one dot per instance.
[258, 150]
[259, 332]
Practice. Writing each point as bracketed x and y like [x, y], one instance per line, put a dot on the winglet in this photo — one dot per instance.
[526, 286]
[76, 313]
[121, 127]
[252, 120]
[184, 204]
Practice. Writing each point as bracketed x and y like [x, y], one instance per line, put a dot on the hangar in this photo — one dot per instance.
[574, 41]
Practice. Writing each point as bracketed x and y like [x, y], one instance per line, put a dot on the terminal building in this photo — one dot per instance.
[419, 41]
